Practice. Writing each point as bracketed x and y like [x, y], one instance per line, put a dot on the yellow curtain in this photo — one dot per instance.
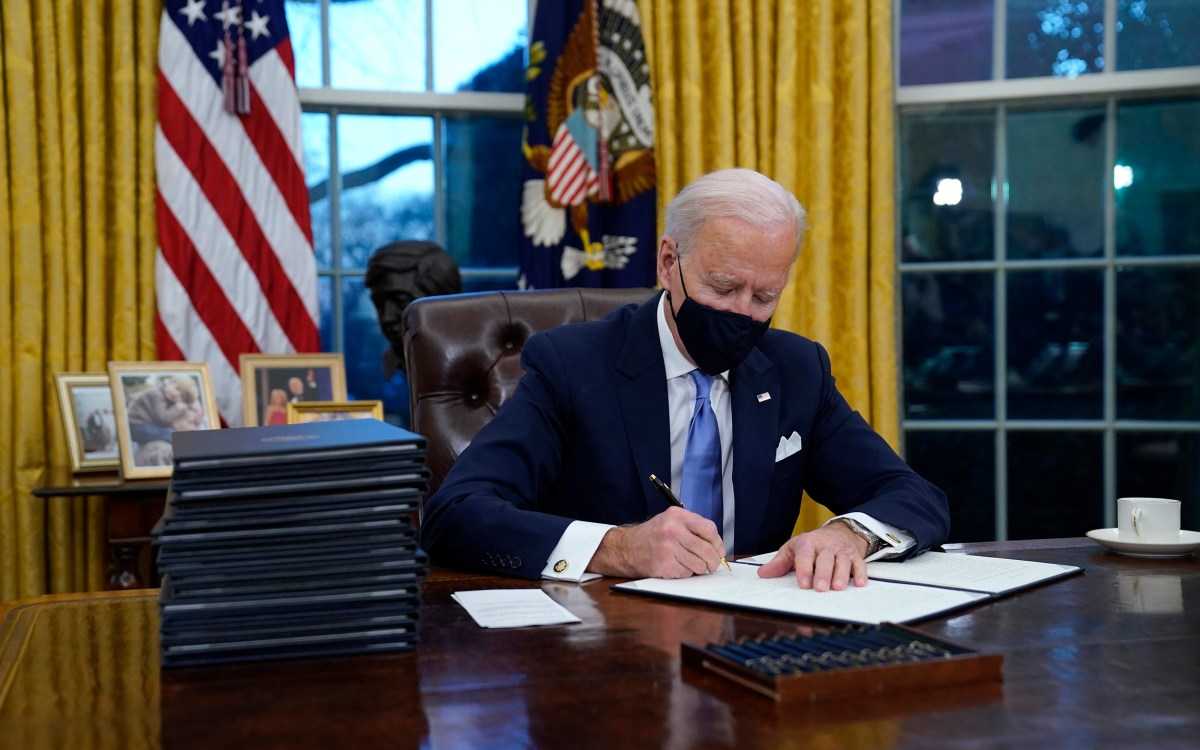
[801, 91]
[77, 239]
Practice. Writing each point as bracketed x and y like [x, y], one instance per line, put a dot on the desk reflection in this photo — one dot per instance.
[84, 673]
[1150, 593]
[364, 701]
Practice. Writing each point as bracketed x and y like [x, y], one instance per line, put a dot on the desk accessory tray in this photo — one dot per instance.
[842, 663]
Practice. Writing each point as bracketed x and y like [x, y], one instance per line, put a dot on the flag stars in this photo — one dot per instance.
[218, 54]
[194, 11]
[257, 25]
[229, 16]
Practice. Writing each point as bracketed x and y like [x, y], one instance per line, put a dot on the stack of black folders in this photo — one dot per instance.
[291, 541]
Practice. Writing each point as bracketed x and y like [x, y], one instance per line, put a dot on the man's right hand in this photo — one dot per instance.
[676, 543]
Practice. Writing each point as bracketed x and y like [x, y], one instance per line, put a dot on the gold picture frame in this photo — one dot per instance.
[269, 383]
[86, 402]
[331, 411]
[151, 400]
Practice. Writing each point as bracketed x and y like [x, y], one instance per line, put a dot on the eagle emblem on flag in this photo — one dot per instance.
[589, 175]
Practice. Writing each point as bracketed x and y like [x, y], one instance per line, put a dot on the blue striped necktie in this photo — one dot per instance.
[700, 486]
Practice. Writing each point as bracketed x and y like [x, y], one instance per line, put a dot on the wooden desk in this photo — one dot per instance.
[131, 508]
[1110, 658]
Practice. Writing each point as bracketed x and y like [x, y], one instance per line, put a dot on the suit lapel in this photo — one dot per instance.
[755, 437]
[642, 393]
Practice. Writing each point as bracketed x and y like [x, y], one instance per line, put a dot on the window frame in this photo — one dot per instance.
[1109, 88]
[334, 102]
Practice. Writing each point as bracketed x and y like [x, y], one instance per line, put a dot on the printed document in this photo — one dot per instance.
[898, 592]
[513, 608]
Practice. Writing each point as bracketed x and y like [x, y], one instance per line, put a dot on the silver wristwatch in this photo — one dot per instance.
[874, 543]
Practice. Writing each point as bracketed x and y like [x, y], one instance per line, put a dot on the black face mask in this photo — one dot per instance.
[717, 340]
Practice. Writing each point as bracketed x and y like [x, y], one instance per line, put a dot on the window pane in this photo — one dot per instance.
[325, 304]
[1157, 179]
[1055, 184]
[1057, 486]
[479, 45]
[1158, 343]
[363, 351]
[492, 280]
[314, 127]
[1063, 38]
[948, 354]
[945, 41]
[304, 29]
[377, 44]
[483, 222]
[1055, 344]
[1157, 34]
[387, 183]
[947, 168]
[963, 465]
[1161, 464]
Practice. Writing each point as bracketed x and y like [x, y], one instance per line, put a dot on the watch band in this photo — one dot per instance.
[874, 543]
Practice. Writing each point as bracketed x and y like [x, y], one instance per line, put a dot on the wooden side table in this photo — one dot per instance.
[131, 508]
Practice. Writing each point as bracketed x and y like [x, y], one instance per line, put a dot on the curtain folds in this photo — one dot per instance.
[803, 93]
[77, 239]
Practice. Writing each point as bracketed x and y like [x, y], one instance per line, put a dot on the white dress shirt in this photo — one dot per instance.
[574, 551]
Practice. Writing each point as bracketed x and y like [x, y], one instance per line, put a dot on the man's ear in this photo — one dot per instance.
[668, 256]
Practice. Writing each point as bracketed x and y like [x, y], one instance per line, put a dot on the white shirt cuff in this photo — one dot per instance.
[895, 541]
[570, 557]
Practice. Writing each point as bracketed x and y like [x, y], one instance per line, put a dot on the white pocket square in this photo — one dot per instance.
[787, 446]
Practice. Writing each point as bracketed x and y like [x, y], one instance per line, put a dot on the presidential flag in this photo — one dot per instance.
[234, 271]
[588, 198]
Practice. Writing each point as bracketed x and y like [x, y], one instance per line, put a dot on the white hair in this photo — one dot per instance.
[733, 193]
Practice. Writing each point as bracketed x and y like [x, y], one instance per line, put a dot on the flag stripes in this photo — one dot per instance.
[568, 172]
[235, 271]
[205, 239]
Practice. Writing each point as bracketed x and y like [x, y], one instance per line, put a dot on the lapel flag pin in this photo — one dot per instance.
[764, 397]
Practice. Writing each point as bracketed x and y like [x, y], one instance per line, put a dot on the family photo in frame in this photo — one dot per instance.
[270, 382]
[151, 400]
[86, 402]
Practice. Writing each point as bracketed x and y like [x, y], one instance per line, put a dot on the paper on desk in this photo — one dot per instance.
[513, 608]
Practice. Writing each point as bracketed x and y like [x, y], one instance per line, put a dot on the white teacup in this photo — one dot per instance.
[1152, 520]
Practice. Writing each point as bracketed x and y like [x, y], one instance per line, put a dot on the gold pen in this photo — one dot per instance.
[666, 492]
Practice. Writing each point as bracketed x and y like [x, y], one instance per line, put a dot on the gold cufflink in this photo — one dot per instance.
[560, 566]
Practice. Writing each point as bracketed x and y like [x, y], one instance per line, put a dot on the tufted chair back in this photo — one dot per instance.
[464, 356]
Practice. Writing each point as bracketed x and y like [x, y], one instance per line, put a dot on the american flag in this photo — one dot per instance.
[235, 271]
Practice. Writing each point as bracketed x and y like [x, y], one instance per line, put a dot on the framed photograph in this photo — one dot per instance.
[87, 410]
[151, 400]
[272, 381]
[332, 411]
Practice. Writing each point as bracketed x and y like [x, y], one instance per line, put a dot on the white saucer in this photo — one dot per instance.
[1189, 542]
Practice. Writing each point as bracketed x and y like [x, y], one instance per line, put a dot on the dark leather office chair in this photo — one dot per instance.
[464, 356]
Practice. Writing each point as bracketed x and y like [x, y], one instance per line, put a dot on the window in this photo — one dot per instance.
[1049, 174]
[412, 131]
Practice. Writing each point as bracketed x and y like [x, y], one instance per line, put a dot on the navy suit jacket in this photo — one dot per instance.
[588, 424]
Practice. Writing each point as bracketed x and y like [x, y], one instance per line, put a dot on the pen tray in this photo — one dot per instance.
[843, 663]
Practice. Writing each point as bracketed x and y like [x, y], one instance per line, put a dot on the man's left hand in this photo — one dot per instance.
[825, 558]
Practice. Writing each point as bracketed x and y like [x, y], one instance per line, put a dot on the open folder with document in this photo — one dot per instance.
[924, 586]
